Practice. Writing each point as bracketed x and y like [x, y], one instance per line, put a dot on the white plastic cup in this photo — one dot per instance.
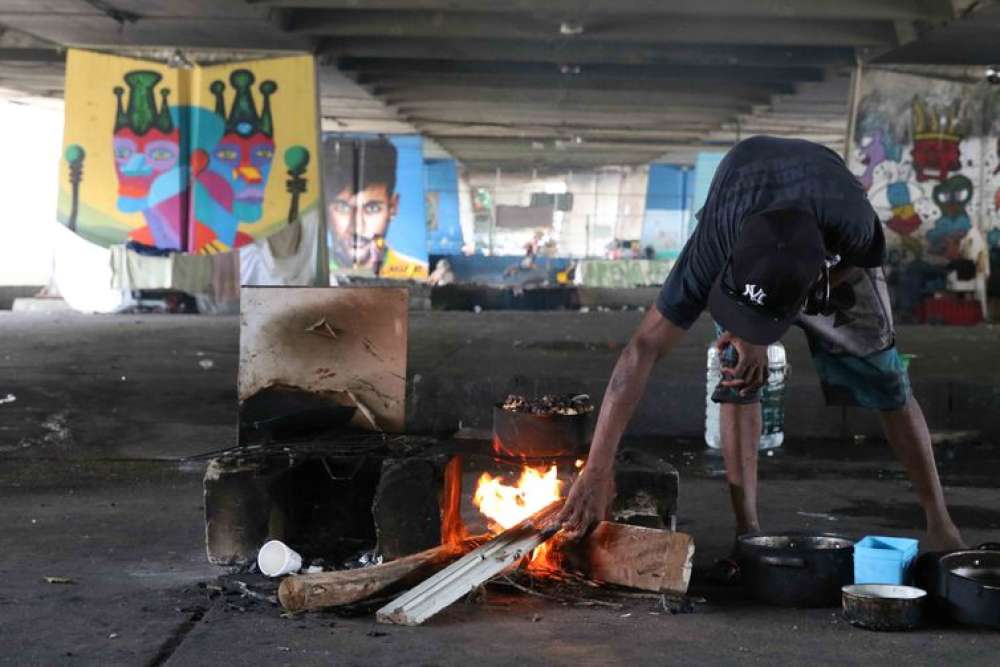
[276, 559]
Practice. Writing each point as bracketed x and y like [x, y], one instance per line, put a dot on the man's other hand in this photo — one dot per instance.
[587, 503]
[750, 372]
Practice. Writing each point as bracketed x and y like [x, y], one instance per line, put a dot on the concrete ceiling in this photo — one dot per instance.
[539, 84]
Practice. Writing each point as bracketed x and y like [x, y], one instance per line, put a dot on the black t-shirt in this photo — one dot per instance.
[762, 173]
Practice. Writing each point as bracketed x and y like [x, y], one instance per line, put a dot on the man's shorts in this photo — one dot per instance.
[853, 349]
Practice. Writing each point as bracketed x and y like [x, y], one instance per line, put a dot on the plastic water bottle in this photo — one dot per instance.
[772, 399]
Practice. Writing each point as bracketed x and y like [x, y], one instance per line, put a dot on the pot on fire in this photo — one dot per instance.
[546, 428]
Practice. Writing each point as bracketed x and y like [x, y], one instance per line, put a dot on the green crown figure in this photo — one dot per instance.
[141, 113]
[244, 154]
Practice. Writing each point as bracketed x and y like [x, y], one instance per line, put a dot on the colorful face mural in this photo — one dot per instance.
[936, 141]
[193, 177]
[375, 205]
[146, 147]
[243, 156]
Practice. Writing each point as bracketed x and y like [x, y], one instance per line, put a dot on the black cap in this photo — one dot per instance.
[778, 256]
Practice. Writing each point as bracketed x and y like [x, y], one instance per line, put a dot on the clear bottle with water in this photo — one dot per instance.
[772, 399]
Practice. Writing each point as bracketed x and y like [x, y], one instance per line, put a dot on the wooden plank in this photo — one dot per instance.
[476, 568]
[633, 556]
[331, 589]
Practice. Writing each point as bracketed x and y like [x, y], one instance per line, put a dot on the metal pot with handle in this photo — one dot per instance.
[796, 569]
[969, 584]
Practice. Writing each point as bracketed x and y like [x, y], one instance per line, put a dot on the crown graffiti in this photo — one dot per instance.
[243, 118]
[946, 124]
[141, 114]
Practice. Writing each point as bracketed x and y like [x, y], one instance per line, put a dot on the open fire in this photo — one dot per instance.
[506, 505]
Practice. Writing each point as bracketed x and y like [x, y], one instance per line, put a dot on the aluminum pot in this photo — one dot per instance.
[884, 606]
[962, 584]
[526, 435]
[971, 585]
[796, 569]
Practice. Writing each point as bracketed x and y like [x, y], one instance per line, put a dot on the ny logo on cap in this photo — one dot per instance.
[754, 293]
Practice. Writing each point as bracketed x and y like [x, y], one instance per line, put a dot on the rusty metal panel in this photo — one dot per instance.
[344, 343]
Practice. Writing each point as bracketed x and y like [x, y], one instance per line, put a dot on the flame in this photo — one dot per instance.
[507, 505]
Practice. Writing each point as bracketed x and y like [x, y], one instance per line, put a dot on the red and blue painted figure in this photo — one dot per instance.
[244, 154]
[151, 176]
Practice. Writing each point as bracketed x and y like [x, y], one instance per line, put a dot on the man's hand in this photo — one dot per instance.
[588, 502]
[750, 372]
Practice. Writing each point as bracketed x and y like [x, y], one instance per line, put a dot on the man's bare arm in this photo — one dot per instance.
[591, 494]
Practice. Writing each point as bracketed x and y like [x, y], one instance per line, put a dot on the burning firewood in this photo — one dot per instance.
[333, 589]
[472, 570]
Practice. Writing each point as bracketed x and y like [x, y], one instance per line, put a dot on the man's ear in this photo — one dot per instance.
[393, 205]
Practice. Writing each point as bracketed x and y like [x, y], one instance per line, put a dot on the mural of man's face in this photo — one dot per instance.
[139, 160]
[246, 163]
[361, 221]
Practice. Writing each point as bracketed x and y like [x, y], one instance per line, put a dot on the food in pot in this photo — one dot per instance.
[549, 404]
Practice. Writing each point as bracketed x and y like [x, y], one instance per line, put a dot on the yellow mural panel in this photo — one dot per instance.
[199, 160]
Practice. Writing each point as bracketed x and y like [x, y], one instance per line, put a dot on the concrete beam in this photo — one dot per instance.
[814, 9]
[769, 31]
[98, 30]
[568, 121]
[580, 98]
[574, 52]
[970, 40]
[689, 114]
[570, 84]
[596, 72]
[444, 130]
[32, 55]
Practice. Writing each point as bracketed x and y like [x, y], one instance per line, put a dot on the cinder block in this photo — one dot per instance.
[412, 505]
[646, 490]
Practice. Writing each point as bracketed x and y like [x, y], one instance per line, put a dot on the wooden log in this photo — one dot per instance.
[633, 556]
[331, 589]
[472, 570]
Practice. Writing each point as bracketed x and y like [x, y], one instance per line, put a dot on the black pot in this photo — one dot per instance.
[527, 435]
[796, 569]
[969, 585]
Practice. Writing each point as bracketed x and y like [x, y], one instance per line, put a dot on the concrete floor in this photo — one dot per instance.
[92, 488]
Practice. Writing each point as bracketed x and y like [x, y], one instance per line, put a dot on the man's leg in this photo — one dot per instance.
[907, 433]
[740, 427]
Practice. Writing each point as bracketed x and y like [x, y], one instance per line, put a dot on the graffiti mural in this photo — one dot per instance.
[182, 160]
[928, 152]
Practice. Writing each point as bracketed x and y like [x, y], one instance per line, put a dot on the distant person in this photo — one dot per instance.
[527, 262]
[442, 275]
[786, 236]
[360, 184]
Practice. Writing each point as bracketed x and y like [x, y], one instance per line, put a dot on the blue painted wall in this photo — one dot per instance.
[668, 208]
[704, 171]
[444, 229]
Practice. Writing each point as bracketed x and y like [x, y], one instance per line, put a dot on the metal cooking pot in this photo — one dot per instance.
[884, 606]
[527, 435]
[796, 569]
[969, 585]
